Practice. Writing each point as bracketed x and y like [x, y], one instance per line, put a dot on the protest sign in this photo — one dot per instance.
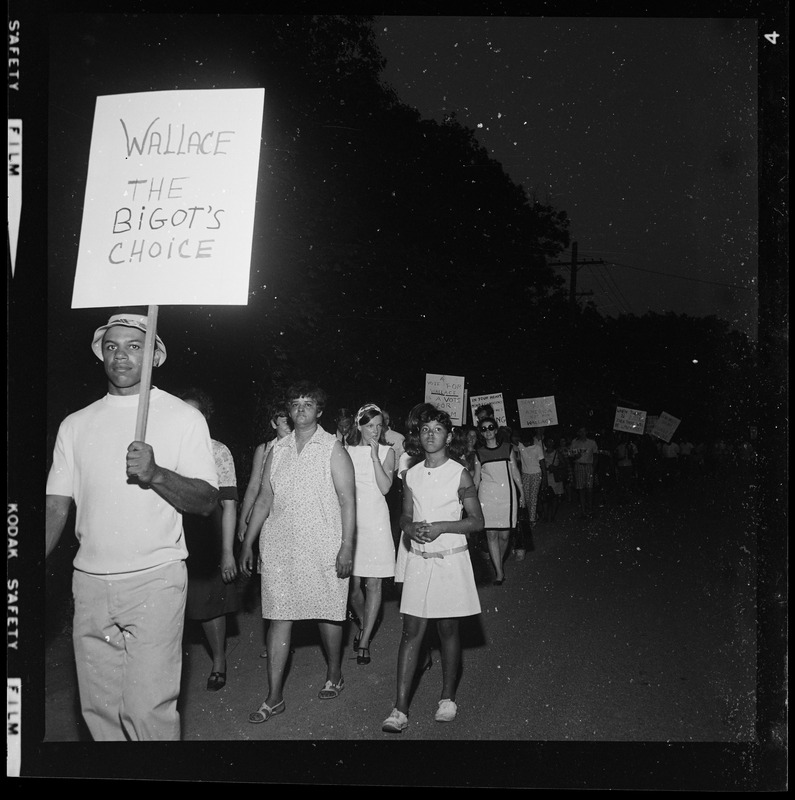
[170, 195]
[537, 412]
[665, 427]
[651, 421]
[446, 392]
[493, 400]
[629, 420]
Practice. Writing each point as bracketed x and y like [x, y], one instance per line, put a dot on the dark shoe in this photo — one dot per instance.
[363, 655]
[216, 681]
[498, 582]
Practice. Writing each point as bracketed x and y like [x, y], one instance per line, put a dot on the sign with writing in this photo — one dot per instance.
[665, 426]
[169, 206]
[629, 420]
[446, 392]
[537, 412]
[651, 421]
[493, 400]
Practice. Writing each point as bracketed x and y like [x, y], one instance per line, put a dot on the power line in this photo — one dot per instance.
[615, 290]
[681, 277]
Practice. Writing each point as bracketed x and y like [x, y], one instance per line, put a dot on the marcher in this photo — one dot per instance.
[555, 472]
[500, 492]
[306, 513]
[534, 467]
[670, 459]
[412, 454]
[343, 423]
[374, 554]
[625, 467]
[212, 591]
[392, 437]
[584, 449]
[281, 426]
[439, 582]
[130, 579]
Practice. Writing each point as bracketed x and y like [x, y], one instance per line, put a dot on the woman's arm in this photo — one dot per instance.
[343, 476]
[250, 496]
[259, 513]
[383, 472]
[477, 476]
[517, 478]
[407, 524]
[228, 519]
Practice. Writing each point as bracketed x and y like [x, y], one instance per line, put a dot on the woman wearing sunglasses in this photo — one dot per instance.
[500, 492]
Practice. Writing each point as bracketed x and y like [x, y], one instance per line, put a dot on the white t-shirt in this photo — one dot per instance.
[122, 526]
[584, 450]
[531, 456]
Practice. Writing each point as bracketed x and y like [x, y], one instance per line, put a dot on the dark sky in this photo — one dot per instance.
[644, 130]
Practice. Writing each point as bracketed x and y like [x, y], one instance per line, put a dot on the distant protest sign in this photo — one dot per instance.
[629, 420]
[446, 392]
[168, 216]
[537, 412]
[665, 427]
[493, 400]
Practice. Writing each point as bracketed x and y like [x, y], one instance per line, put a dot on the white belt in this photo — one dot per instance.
[439, 553]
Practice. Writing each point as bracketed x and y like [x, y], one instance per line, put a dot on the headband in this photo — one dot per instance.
[365, 408]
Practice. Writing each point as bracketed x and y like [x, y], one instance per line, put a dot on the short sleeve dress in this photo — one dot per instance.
[497, 492]
[302, 534]
[374, 554]
[208, 596]
[443, 585]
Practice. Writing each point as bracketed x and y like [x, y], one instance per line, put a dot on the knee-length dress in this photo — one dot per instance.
[302, 534]
[497, 492]
[208, 596]
[438, 587]
[374, 554]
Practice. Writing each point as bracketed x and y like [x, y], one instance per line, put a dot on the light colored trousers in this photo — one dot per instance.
[127, 637]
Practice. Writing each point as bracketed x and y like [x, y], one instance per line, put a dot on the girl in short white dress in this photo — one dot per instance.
[374, 552]
[439, 583]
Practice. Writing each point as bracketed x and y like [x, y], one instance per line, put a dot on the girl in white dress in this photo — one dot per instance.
[439, 583]
[374, 552]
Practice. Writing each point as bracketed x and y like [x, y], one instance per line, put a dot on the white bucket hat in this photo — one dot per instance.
[127, 321]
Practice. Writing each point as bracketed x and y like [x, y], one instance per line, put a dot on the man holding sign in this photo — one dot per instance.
[130, 580]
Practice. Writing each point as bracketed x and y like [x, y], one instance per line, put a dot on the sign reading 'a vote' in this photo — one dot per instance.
[169, 206]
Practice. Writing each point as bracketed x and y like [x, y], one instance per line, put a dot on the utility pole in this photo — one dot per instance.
[573, 294]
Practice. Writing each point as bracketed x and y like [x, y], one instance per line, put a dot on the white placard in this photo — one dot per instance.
[495, 401]
[537, 412]
[169, 206]
[446, 392]
[665, 427]
[629, 420]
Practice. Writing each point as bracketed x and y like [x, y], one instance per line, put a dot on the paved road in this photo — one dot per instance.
[637, 625]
